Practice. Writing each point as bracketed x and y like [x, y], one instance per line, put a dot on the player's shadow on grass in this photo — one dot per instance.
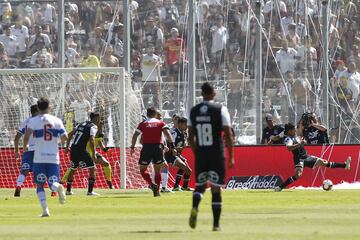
[124, 197]
[157, 231]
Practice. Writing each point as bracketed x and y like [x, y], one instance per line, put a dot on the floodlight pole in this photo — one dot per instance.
[191, 56]
[61, 34]
[325, 68]
[258, 73]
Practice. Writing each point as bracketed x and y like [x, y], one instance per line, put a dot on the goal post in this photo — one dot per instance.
[73, 93]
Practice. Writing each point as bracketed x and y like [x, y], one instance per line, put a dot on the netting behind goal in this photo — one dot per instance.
[73, 94]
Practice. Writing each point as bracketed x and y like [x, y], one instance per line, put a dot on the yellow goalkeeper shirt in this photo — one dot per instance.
[97, 142]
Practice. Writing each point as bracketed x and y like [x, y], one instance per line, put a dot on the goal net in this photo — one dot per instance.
[73, 94]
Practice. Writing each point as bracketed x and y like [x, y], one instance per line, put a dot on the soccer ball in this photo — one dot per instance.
[327, 185]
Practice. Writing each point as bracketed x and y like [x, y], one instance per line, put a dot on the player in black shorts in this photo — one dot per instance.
[83, 134]
[207, 122]
[302, 158]
[180, 140]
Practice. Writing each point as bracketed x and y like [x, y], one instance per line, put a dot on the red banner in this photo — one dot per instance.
[249, 161]
[277, 160]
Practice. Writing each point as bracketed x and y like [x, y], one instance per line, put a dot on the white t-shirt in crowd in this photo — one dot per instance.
[21, 34]
[151, 67]
[302, 51]
[270, 5]
[70, 55]
[353, 81]
[219, 38]
[286, 59]
[10, 43]
[81, 110]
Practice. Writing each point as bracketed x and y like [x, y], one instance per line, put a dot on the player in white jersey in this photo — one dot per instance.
[46, 129]
[28, 156]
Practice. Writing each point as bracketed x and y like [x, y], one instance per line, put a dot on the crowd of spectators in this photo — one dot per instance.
[225, 45]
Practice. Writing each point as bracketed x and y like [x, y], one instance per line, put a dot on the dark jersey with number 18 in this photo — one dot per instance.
[82, 135]
[206, 121]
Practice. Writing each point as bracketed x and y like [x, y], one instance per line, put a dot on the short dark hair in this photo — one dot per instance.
[288, 127]
[34, 109]
[182, 120]
[151, 112]
[207, 89]
[43, 103]
[94, 115]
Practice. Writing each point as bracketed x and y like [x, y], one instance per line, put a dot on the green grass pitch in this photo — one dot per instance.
[260, 215]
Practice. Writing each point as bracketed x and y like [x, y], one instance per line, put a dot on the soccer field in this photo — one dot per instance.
[292, 214]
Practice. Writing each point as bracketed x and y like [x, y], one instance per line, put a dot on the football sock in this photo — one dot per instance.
[216, 207]
[91, 184]
[158, 179]
[68, 185]
[42, 197]
[66, 175]
[335, 165]
[179, 175]
[20, 180]
[54, 186]
[197, 196]
[107, 171]
[186, 180]
[146, 176]
[164, 177]
[288, 182]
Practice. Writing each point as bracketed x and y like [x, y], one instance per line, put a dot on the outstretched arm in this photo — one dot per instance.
[192, 138]
[27, 135]
[16, 143]
[229, 144]
[133, 142]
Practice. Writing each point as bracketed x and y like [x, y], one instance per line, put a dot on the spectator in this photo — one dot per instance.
[21, 33]
[4, 61]
[219, 40]
[42, 57]
[81, 107]
[48, 13]
[285, 58]
[153, 35]
[340, 67]
[117, 42]
[109, 60]
[285, 93]
[300, 92]
[169, 15]
[287, 20]
[37, 37]
[272, 133]
[89, 60]
[6, 12]
[174, 52]
[345, 96]
[72, 57]
[151, 75]
[10, 42]
[68, 25]
[306, 51]
[292, 37]
[355, 56]
[354, 80]
[96, 41]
